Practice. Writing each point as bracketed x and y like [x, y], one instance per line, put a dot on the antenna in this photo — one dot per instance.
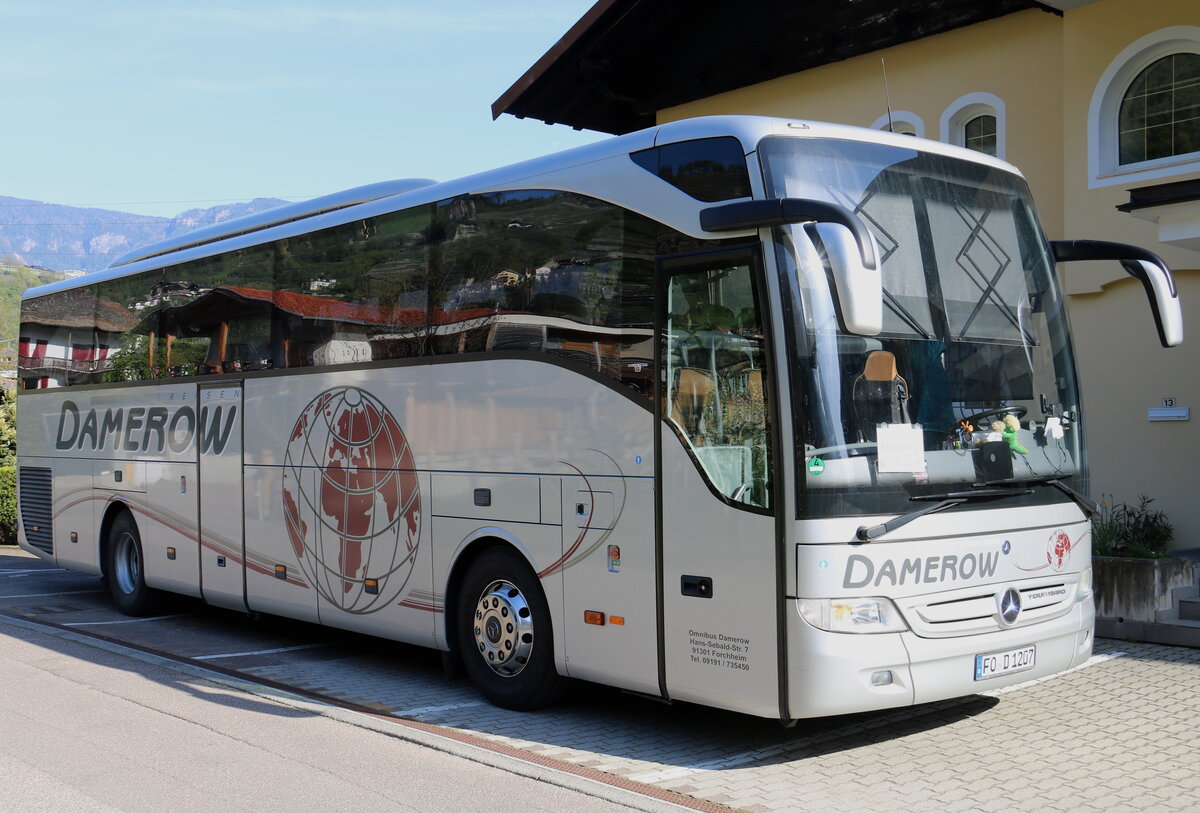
[887, 97]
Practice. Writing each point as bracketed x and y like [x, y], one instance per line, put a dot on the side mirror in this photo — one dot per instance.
[859, 285]
[849, 246]
[1141, 264]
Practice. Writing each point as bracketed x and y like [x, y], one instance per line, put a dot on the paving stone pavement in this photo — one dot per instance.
[1119, 734]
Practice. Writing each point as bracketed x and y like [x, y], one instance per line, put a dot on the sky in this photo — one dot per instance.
[158, 107]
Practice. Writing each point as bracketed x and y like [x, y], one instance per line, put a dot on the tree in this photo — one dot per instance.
[8, 428]
[8, 470]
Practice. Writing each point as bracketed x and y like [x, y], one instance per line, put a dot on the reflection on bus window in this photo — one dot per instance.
[539, 272]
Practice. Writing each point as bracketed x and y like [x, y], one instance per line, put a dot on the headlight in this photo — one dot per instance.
[1085, 584]
[852, 614]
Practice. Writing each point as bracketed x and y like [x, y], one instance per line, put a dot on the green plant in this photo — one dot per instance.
[8, 505]
[1134, 531]
[8, 428]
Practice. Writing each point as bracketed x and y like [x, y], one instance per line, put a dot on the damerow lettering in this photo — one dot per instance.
[141, 429]
[862, 571]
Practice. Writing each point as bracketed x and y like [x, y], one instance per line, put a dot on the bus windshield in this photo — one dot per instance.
[971, 380]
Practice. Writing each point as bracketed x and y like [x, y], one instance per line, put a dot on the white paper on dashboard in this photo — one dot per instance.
[901, 447]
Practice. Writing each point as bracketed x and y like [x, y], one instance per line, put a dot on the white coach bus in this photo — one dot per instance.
[774, 416]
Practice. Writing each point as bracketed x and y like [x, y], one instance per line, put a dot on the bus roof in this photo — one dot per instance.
[271, 217]
[580, 170]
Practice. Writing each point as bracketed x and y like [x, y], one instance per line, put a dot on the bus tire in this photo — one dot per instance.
[504, 633]
[124, 567]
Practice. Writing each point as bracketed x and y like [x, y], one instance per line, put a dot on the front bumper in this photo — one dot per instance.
[831, 673]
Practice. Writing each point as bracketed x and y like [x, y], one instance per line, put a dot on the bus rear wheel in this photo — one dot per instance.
[124, 568]
[504, 633]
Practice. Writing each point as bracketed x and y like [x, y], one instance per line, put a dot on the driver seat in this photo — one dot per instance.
[693, 392]
[880, 394]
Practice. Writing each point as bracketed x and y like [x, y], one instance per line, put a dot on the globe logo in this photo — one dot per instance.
[1058, 550]
[351, 500]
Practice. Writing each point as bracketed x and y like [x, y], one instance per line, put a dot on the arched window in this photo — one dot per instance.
[975, 121]
[980, 134]
[1144, 118]
[1160, 112]
[903, 122]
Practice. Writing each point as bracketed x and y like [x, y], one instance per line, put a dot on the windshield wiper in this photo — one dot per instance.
[1088, 505]
[972, 494]
[946, 500]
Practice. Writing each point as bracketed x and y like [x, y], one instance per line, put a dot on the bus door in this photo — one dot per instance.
[222, 539]
[717, 531]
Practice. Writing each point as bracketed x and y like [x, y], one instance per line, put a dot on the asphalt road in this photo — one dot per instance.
[89, 728]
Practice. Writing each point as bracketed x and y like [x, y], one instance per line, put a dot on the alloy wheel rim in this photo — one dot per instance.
[503, 628]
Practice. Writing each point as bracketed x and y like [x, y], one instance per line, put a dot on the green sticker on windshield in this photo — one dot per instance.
[816, 466]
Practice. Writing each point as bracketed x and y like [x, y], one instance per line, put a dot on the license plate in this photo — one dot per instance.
[1005, 663]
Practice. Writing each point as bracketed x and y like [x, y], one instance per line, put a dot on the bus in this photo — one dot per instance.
[779, 417]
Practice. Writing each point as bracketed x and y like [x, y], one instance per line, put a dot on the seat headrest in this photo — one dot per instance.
[881, 366]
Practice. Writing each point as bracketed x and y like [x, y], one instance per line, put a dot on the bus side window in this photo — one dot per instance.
[546, 273]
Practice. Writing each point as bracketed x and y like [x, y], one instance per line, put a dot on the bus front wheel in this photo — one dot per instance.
[504, 633]
[126, 577]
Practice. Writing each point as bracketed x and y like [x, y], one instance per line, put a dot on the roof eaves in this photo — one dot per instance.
[549, 59]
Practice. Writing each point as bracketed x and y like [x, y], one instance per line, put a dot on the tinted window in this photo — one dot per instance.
[517, 272]
[545, 272]
[343, 295]
[708, 169]
[352, 293]
[67, 338]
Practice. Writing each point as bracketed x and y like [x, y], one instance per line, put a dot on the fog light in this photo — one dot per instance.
[883, 678]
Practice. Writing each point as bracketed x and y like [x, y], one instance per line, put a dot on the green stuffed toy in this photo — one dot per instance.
[1008, 430]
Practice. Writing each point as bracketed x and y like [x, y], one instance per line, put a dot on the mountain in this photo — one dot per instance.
[64, 238]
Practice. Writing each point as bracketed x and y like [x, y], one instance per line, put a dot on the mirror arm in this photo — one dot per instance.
[1066, 251]
[1141, 264]
[758, 214]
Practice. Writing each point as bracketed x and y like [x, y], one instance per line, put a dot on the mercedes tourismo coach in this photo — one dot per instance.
[774, 416]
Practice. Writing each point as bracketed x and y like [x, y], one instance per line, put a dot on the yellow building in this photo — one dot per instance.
[1096, 101]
